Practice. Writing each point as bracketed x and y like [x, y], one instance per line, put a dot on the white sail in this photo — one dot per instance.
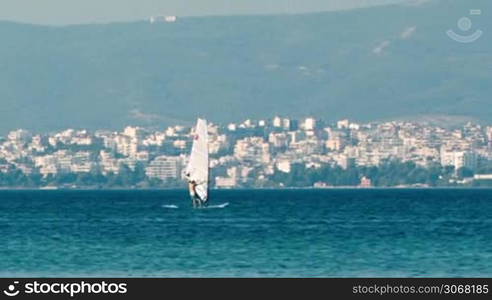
[197, 169]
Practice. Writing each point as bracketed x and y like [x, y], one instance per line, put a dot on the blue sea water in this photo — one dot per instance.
[266, 233]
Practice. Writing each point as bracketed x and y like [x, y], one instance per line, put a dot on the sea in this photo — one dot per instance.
[261, 233]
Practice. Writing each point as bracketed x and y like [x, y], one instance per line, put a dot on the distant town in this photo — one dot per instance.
[276, 153]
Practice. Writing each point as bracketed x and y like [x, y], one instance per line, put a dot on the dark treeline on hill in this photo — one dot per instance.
[126, 178]
[385, 62]
[388, 174]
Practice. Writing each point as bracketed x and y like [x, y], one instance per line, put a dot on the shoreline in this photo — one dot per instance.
[247, 188]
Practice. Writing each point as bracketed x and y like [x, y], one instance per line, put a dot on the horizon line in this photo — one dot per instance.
[408, 3]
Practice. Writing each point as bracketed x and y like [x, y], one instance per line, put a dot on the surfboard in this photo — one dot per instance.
[223, 205]
[171, 206]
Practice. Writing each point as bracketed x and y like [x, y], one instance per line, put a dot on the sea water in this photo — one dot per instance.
[262, 233]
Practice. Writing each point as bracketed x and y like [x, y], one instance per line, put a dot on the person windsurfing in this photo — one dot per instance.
[197, 202]
[197, 171]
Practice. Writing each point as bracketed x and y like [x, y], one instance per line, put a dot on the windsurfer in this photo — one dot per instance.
[194, 196]
[197, 170]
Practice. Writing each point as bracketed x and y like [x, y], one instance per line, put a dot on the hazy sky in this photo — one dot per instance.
[89, 11]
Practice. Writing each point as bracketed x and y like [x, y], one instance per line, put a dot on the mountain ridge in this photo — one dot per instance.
[365, 64]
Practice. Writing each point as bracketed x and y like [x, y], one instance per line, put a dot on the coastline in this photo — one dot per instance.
[250, 188]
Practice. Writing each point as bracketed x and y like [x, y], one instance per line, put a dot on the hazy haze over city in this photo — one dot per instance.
[384, 62]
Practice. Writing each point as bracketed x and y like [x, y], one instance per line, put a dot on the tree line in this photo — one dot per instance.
[390, 173]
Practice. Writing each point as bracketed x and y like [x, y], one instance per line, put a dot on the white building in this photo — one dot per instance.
[225, 182]
[126, 145]
[134, 132]
[163, 19]
[164, 167]
[108, 163]
[278, 140]
[277, 122]
[252, 149]
[309, 124]
[343, 124]
[459, 159]
[19, 136]
[284, 166]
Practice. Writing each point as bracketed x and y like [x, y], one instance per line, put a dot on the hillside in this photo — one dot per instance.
[365, 64]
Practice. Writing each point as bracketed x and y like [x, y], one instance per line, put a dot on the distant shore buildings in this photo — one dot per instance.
[256, 152]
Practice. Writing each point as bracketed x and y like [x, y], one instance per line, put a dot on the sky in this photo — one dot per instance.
[62, 12]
